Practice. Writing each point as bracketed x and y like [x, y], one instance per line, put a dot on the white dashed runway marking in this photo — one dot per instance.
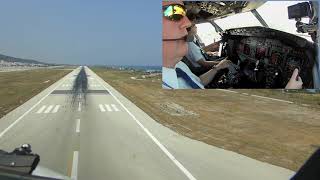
[115, 107]
[108, 107]
[56, 108]
[66, 85]
[101, 108]
[94, 85]
[48, 109]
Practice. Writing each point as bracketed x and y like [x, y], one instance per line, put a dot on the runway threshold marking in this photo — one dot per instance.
[153, 138]
[32, 107]
[101, 108]
[45, 109]
[41, 109]
[107, 107]
[56, 108]
[115, 107]
[48, 109]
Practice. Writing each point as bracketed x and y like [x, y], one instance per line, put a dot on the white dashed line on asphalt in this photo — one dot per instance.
[101, 108]
[41, 109]
[66, 85]
[78, 126]
[79, 107]
[108, 107]
[47, 109]
[115, 107]
[56, 108]
[74, 171]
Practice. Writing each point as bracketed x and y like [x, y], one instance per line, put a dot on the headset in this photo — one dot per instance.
[187, 38]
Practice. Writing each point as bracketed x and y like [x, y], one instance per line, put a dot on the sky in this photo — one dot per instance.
[82, 32]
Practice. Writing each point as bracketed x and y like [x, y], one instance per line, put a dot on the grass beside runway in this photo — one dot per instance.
[275, 132]
[304, 99]
[17, 87]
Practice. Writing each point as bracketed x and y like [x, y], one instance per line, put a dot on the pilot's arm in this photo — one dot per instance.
[207, 77]
[207, 64]
[195, 55]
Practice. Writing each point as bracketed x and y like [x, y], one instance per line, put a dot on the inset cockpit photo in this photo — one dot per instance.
[241, 44]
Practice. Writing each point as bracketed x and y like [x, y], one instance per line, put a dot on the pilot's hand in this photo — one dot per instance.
[295, 81]
[212, 53]
[225, 63]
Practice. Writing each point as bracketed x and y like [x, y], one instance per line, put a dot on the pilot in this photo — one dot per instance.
[176, 74]
[195, 55]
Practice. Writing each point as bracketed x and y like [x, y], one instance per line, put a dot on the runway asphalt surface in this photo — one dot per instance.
[102, 135]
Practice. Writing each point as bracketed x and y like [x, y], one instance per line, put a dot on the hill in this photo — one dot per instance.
[20, 60]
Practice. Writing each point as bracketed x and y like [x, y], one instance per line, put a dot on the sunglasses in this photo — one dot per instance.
[174, 12]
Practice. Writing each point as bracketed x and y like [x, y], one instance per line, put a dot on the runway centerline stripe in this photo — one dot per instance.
[74, 171]
[101, 108]
[154, 139]
[115, 107]
[36, 104]
[41, 109]
[79, 108]
[48, 109]
[108, 107]
[78, 126]
[56, 108]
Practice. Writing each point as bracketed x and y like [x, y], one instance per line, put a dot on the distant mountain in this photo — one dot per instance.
[13, 59]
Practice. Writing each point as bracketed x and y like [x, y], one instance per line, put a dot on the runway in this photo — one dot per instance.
[105, 136]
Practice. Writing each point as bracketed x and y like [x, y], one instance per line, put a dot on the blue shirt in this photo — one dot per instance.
[194, 54]
[170, 80]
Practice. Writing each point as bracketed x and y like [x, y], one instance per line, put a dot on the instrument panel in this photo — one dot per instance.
[267, 58]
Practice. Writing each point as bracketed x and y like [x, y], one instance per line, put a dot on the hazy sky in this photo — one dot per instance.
[82, 32]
